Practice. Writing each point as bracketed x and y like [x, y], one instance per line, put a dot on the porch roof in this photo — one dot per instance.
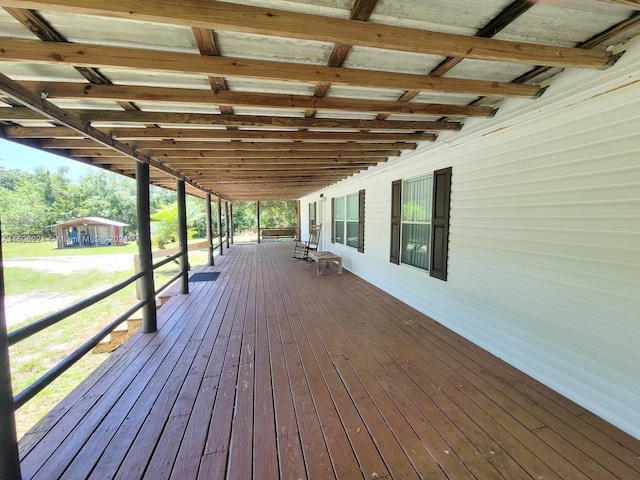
[265, 99]
[271, 371]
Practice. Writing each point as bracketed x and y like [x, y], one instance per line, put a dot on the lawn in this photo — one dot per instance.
[50, 249]
[34, 356]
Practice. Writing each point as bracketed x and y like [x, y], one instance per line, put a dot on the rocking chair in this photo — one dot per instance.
[301, 249]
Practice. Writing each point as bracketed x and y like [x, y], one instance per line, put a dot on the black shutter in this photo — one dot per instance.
[440, 223]
[361, 221]
[396, 213]
[333, 220]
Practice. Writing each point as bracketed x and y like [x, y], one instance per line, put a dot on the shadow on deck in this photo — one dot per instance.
[273, 372]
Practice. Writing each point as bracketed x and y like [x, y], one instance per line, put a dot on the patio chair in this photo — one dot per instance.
[301, 249]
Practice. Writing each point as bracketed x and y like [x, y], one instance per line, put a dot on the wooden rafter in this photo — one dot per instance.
[207, 154]
[113, 116]
[119, 57]
[47, 109]
[256, 100]
[267, 21]
[34, 22]
[143, 146]
[362, 10]
[44, 31]
[497, 24]
[185, 135]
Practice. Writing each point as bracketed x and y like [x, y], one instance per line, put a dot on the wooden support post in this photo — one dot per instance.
[231, 223]
[209, 228]
[182, 235]
[220, 224]
[258, 217]
[147, 288]
[9, 458]
[226, 222]
[298, 237]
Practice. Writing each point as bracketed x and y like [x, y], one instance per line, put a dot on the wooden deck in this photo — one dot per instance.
[274, 372]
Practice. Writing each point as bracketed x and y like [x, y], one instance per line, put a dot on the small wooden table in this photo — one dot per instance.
[323, 258]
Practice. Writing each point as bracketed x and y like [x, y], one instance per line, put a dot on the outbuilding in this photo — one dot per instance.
[89, 232]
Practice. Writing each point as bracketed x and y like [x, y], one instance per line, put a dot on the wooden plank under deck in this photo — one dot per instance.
[274, 372]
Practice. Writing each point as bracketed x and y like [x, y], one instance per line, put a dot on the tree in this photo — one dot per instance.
[278, 213]
[244, 217]
[164, 222]
[30, 202]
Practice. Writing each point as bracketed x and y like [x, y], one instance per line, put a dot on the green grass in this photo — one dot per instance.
[33, 357]
[50, 249]
[26, 280]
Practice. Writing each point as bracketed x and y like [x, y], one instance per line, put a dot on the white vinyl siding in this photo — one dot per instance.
[544, 238]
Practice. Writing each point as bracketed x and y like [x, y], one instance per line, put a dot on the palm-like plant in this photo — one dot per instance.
[164, 222]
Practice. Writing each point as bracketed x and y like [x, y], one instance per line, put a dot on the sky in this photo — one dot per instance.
[15, 156]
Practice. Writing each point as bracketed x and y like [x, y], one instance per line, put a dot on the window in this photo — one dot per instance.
[352, 220]
[347, 220]
[420, 222]
[416, 222]
[338, 208]
[312, 215]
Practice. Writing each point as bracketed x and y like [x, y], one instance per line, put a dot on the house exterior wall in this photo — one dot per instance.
[544, 246]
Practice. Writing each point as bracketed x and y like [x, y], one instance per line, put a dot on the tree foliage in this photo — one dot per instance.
[31, 202]
[164, 222]
[273, 214]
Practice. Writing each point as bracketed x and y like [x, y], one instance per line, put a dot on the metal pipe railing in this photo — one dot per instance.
[25, 332]
[39, 325]
[36, 387]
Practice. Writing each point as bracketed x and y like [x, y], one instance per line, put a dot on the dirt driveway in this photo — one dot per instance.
[20, 307]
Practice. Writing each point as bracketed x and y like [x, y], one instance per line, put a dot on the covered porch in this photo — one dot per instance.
[270, 371]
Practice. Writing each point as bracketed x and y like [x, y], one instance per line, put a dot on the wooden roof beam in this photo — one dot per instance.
[18, 114]
[185, 135]
[56, 90]
[165, 154]
[145, 145]
[75, 54]
[273, 22]
[282, 163]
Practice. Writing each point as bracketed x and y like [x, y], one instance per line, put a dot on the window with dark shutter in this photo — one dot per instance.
[361, 221]
[396, 211]
[440, 223]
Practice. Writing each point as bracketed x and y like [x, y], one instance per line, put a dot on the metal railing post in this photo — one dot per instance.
[220, 224]
[147, 288]
[9, 457]
[182, 234]
[209, 228]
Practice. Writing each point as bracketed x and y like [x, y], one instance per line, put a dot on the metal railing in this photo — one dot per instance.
[39, 325]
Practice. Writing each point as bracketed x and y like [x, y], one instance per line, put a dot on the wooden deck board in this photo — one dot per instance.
[274, 372]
